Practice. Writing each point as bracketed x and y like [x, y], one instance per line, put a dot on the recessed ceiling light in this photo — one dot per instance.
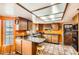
[56, 19]
[51, 16]
[43, 17]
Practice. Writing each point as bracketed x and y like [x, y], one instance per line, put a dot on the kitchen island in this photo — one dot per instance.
[28, 45]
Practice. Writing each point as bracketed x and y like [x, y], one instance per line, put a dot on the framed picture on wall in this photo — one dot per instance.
[55, 26]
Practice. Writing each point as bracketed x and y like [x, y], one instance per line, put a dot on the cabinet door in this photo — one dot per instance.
[0, 36]
[26, 47]
[0, 33]
[54, 38]
[23, 25]
[18, 46]
[48, 37]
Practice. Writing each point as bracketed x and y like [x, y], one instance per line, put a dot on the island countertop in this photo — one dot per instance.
[36, 39]
[33, 39]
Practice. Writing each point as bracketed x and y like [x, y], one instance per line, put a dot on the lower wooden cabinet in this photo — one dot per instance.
[18, 46]
[55, 38]
[26, 47]
[52, 38]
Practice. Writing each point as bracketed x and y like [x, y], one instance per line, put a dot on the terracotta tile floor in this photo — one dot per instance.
[54, 49]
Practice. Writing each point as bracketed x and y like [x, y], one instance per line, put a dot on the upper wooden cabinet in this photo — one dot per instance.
[55, 26]
[24, 24]
[53, 32]
[52, 26]
[29, 25]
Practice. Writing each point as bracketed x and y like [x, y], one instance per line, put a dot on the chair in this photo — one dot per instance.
[40, 49]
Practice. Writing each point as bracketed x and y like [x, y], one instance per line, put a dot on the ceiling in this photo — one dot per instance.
[46, 11]
[71, 12]
[34, 6]
[11, 9]
[40, 12]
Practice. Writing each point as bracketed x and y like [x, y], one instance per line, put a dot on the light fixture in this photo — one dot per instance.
[43, 17]
[51, 16]
[54, 19]
[55, 9]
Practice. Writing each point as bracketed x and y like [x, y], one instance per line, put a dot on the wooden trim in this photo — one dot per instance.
[7, 17]
[1, 35]
[27, 25]
[14, 37]
[21, 18]
[65, 10]
[45, 7]
[78, 33]
[21, 47]
[47, 23]
[26, 9]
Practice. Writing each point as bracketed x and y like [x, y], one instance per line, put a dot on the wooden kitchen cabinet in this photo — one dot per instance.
[29, 25]
[48, 37]
[0, 33]
[24, 24]
[28, 47]
[18, 46]
[25, 47]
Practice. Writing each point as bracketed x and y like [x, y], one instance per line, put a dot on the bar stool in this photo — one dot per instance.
[40, 49]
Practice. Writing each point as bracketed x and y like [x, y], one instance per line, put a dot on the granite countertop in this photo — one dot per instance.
[36, 39]
[33, 39]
